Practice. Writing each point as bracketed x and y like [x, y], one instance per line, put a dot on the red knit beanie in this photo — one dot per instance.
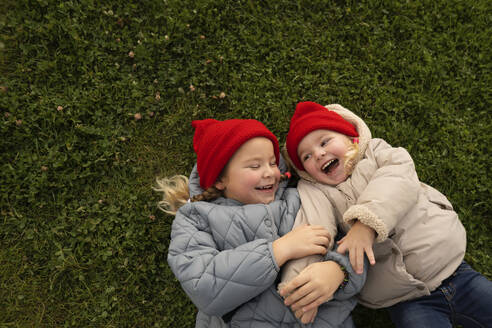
[310, 116]
[216, 141]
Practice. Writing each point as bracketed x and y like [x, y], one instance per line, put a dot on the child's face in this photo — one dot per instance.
[252, 175]
[322, 153]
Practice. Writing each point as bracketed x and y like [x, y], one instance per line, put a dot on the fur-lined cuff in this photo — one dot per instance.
[364, 215]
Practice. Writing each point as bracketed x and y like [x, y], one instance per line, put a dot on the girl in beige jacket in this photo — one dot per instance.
[408, 230]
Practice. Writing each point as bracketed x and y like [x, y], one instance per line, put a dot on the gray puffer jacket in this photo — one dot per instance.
[221, 253]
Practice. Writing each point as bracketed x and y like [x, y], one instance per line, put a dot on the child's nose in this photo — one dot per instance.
[320, 152]
[268, 171]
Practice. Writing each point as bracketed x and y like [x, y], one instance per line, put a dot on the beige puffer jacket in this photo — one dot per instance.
[420, 240]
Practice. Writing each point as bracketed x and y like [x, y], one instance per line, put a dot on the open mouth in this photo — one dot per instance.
[265, 188]
[330, 166]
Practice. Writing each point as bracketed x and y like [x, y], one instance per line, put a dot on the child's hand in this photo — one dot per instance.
[301, 241]
[315, 285]
[358, 241]
[306, 317]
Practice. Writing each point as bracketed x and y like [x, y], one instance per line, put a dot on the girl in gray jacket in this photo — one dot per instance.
[230, 239]
[409, 231]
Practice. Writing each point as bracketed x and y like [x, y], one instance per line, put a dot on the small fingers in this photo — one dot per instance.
[352, 257]
[322, 250]
[298, 314]
[293, 285]
[321, 230]
[342, 247]
[293, 299]
[309, 297]
[308, 317]
[370, 256]
[360, 261]
[317, 249]
[305, 319]
[313, 305]
[323, 241]
[314, 313]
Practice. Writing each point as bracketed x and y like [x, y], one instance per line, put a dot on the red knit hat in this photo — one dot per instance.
[310, 116]
[216, 141]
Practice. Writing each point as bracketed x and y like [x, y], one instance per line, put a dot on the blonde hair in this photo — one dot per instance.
[176, 193]
[351, 156]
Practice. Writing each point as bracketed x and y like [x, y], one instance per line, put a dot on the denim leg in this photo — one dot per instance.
[472, 301]
[465, 298]
[430, 311]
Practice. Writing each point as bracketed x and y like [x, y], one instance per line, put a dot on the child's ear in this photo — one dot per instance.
[220, 185]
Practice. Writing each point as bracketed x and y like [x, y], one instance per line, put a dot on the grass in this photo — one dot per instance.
[82, 242]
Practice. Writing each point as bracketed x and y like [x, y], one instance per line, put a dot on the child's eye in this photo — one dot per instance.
[324, 142]
[273, 164]
[306, 157]
[255, 166]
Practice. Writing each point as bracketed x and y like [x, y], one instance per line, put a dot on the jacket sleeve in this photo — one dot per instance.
[355, 281]
[316, 209]
[390, 192]
[218, 281]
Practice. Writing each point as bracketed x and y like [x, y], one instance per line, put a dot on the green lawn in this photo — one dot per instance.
[96, 100]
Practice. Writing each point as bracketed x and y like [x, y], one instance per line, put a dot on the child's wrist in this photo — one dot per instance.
[279, 252]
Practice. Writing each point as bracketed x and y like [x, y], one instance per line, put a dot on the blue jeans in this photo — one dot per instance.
[465, 298]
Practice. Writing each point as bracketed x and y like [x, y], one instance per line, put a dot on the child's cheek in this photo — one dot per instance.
[252, 179]
[310, 169]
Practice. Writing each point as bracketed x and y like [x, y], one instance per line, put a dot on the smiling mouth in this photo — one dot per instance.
[330, 166]
[265, 188]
